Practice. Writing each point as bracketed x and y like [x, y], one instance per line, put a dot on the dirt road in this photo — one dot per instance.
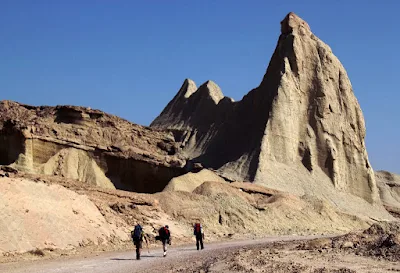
[121, 262]
[233, 256]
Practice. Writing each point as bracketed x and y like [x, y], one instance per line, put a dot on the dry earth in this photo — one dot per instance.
[273, 255]
[69, 216]
[377, 249]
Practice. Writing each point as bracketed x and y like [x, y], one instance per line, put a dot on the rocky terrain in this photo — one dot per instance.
[288, 159]
[68, 215]
[87, 145]
[375, 249]
[286, 254]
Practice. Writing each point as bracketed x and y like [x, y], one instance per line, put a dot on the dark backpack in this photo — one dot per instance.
[197, 229]
[164, 233]
[136, 233]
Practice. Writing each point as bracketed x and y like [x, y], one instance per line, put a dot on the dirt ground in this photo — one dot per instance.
[376, 249]
[281, 257]
[285, 254]
[69, 215]
[226, 211]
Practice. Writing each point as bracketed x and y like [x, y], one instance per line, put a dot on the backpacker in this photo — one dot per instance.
[136, 233]
[197, 229]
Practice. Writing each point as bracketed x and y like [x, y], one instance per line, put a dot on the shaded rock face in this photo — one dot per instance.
[11, 144]
[302, 118]
[87, 145]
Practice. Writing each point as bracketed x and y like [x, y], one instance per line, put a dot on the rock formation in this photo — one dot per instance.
[299, 130]
[87, 145]
[389, 191]
[190, 181]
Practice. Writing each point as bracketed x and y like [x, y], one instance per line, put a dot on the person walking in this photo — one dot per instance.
[198, 232]
[138, 236]
[165, 237]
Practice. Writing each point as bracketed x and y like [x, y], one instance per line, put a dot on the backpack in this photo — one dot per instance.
[164, 233]
[136, 233]
[197, 228]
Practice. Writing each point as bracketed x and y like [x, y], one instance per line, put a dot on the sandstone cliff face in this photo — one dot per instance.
[300, 129]
[86, 145]
[389, 191]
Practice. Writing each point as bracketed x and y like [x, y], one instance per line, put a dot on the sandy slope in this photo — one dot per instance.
[37, 215]
[61, 214]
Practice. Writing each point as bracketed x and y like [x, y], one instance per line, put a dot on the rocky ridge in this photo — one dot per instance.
[87, 145]
[301, 130]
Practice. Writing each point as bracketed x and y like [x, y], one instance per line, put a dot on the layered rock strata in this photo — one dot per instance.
[87, 145]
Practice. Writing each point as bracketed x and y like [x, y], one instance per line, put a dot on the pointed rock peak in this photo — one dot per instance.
[212, 90]
[188, 88]
[292, 23]
[211, 84]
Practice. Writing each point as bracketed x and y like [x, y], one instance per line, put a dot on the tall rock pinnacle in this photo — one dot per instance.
[302, 126]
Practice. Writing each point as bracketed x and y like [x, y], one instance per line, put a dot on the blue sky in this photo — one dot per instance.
[129, 58]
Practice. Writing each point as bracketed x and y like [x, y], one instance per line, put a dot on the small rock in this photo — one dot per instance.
[197, 167]
[347, 244]
[8, 169]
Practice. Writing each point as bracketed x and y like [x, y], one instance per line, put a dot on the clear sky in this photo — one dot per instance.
[129, 58]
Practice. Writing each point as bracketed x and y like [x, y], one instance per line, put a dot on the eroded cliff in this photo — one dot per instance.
[299, 130]
[87, 145]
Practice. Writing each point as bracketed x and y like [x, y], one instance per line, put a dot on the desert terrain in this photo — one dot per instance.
[367, 251]
[280, 180]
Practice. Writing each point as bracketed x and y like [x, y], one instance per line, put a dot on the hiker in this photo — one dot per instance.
[164, 235]
[198, 232]
[137, 237]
